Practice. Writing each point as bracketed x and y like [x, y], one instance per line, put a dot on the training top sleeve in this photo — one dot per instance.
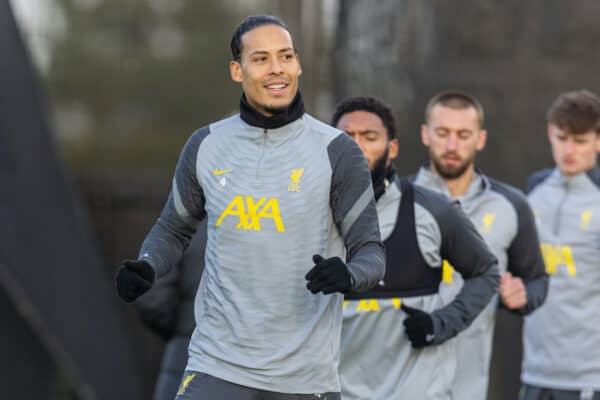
[524, 254]
[170, 235]
[354, 212]
[466, 250]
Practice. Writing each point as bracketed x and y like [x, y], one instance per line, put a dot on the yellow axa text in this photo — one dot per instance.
[447, 272]
[369, 305]
[554, 256]
[251, 211]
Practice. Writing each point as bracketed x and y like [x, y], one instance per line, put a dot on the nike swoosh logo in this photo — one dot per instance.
[221, 171]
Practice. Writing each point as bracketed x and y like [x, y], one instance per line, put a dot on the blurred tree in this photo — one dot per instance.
[131, 80]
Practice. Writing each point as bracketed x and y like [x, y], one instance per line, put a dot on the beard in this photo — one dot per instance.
[451, 171]
[380, 167]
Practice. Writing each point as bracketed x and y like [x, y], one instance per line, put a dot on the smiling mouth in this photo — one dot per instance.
[277, 88]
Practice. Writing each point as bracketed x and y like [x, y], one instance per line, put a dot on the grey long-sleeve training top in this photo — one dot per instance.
[503, 217]
[561, 340]
[273, 198]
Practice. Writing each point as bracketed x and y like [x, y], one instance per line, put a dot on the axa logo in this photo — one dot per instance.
[250, 212]
[294, 185]
[555, 256]
[447, 272]
[369, 305]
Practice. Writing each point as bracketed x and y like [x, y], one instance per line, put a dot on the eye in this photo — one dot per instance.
[260, 59]
[464, 134]
[288, 57]
[441, 132]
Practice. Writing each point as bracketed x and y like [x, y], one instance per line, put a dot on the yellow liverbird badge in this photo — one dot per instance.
[586, 217]
[294, 185]
[488, 221]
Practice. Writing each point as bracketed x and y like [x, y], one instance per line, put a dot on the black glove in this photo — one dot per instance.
[329, 276]
[419, 327]
[134, 278]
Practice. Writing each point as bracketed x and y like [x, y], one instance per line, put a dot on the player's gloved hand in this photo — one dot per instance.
[329, 276]
[419, 327]
[134, 278]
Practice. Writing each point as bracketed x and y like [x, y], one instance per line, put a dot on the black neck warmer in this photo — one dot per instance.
[252, 117]
[379, 178]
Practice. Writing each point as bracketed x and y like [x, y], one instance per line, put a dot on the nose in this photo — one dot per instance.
[275, 67]
[569, 146]
[451, 142]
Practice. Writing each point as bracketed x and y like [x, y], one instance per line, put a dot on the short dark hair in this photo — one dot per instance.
[576, 112]
[368, 104]
[456, 100]
[248, 24]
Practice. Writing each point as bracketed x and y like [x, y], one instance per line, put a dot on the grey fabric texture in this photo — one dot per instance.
[273, 198]
[561, 340]
[377, 359]
[497, 220]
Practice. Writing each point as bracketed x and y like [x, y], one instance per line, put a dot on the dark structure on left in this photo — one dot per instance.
[64, 332]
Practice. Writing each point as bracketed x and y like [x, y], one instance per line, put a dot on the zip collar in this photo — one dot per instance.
[581, 180]
[252, 117]
[478, 185]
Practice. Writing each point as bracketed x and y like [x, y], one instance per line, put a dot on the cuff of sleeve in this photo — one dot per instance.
[438, 328]
[148, 258]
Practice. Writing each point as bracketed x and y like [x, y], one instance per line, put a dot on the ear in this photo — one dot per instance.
[425, 135]
[481, 140]
[235, 69]
[392, 149]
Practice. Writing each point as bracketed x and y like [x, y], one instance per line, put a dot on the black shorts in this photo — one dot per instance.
[530, 392]
[199, 386]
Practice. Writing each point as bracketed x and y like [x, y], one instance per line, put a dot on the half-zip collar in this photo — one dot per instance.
[579, 181]
[252, 117]
[477, 186]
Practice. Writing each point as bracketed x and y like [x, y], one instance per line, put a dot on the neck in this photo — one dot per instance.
[457, 187]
